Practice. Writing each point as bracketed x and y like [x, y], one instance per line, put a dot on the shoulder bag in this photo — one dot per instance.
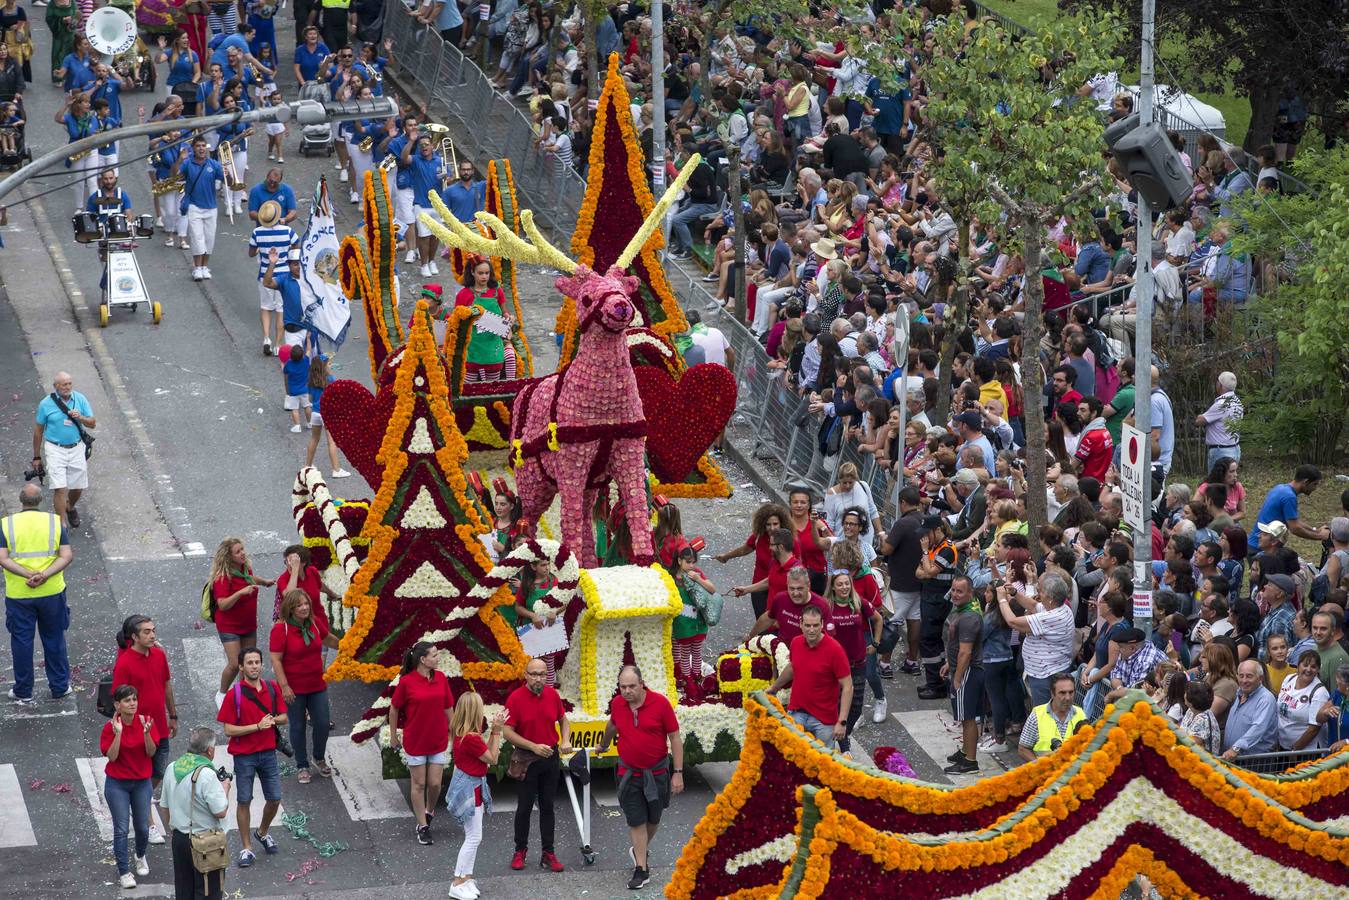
[210, 849]
[85, 437]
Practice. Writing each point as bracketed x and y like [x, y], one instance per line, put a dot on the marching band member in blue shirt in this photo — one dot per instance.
[201, 174]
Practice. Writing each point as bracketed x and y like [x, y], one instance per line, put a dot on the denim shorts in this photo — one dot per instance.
[160, 761]
[435, 759]
[262, 764]
[226, 637]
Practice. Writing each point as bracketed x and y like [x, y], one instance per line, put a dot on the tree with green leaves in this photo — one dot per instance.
[1304, 402]
[1011, 139]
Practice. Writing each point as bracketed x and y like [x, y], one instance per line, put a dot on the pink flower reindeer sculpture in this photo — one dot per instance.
[577, 429]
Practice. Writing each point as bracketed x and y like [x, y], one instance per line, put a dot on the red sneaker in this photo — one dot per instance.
[518, 860]
[549, 860]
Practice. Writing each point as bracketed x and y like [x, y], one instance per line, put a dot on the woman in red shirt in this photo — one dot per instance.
[300, 573]
[423, 701]
[812, 536]
[234, 588]
[129, 742]
[856, 625]
[296, 646]
[469, 797]
[767, 518]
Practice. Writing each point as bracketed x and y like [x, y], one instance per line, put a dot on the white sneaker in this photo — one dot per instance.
[341, 473]
[354, 198]
[295, 429]
[183, 244]
[170, 241]
[127, 881]
[219, 700]
[425, 271]
[411, 256]
[156, 837]
[141, 866]
[196, 273]
[205, 273]
[878, 711]
[337, 165]
[462, 892]
[435, 269]
[342, 175]
[159, 221]
[280, 160]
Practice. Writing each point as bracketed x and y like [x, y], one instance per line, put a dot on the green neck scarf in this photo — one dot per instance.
[187, 764]
[307, 630]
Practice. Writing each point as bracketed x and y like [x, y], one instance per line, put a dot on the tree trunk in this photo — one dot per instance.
[1032, 382]
[733, 188]
[1264, 109]
[956, 319]
[593, 53]
[710, 23]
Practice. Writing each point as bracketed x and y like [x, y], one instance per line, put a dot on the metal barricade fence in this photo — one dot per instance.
[1277, 762]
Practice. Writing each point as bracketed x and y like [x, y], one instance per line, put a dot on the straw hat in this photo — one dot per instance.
[269, 213]
[824, 249]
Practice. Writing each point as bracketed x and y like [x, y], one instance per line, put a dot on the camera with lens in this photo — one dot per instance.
[223, 773]
[38, 471]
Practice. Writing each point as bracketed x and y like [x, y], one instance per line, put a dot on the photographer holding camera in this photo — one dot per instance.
[62, 445]
[195, 799]
[251, 712]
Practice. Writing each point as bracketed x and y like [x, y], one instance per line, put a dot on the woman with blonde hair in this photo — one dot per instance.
[234, 605]
[856, 625]
[469, 798]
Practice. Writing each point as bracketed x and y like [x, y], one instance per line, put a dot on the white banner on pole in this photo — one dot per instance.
[326, 310]
[1132, 475]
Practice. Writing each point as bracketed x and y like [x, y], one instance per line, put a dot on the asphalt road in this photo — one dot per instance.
[194, 446]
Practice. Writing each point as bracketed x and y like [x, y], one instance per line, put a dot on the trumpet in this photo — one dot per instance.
[389, 163]
[366, 144]
[76, 157]
[171, 185]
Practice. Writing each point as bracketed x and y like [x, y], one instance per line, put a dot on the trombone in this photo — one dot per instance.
[226, 152]
[449, 160]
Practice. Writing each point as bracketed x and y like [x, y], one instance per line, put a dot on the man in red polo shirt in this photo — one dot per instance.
[784, 610]
[142, 664]
[781, 543]
[645, 725]
[1095, 450]
[536, 717]
[250, 712]
[821, 681]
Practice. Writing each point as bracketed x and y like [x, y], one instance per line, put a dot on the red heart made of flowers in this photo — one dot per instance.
[356, 420]
[684, 417]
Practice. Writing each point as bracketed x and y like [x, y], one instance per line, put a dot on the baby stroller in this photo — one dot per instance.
[316, 138]
[19, 154]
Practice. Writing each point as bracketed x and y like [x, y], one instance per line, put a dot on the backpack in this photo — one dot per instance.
[208, 604]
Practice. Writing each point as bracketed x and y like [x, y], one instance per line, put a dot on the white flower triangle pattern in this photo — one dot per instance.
[427, 583]
[422, 513]
[421, 438]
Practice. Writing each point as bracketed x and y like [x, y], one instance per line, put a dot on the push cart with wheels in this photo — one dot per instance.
[122, 283]
[577, 770]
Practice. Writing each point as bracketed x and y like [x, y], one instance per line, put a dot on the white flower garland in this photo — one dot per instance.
[311, 488]
[780, 849]
[1142, 801]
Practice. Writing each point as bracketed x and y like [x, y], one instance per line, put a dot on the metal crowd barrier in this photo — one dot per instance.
[1278, 762]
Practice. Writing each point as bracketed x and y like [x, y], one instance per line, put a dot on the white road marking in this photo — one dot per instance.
[93, 775]
[16, 829]
[358, 777]
[937, 734]
[223, 758]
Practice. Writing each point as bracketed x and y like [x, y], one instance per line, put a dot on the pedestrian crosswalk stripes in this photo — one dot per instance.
[16, 829]
[360, 783]
[205, 659]
[937, 734]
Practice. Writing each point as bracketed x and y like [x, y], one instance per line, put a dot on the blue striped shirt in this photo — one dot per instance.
[282, 237]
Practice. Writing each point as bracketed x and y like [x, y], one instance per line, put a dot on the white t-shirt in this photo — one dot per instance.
[1103, 89]
[1048, 649]
[713, 344]
[1297, 710]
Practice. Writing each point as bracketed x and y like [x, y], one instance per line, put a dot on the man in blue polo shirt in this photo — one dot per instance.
[273, 188]
[201, 173]
[109, 198]
[427, 171]
[402, 207]
[57, 445]
[287, 284]
[1281, 506]
[465, 197]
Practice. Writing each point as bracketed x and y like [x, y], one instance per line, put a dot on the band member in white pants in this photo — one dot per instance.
[201, 175]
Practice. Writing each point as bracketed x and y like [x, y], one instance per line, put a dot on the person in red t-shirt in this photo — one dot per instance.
[645, 724]
[128, 741]
[821, 681]
[812, 535]
[424, 701]
[767, 518]
[774, 581]
[470, 796]
[235, 590]
[142, 664]
[250, 713]
[299, 573]
[296, 646]
[539, 732]
[846, 557]
[856, 625]
[785, 609]
[1095, 449]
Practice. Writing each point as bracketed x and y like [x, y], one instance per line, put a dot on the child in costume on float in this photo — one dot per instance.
[689, 629]
[490, 356]
[535, 582]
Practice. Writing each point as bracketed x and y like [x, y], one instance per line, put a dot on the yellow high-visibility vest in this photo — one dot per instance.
[34, 541]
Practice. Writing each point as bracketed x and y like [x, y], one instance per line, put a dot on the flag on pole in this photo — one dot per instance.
[326, 310]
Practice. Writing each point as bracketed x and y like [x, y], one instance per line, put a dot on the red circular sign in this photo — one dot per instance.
[1133, 450]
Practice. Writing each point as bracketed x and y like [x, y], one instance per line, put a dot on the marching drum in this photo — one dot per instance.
[87, 229]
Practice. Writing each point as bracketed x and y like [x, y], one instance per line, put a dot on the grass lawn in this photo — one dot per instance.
[1259, 475]
[1236, 110]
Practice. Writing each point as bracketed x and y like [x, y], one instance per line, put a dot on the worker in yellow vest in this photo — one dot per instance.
[1052, 723]
[34, 549]
[336, 32]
